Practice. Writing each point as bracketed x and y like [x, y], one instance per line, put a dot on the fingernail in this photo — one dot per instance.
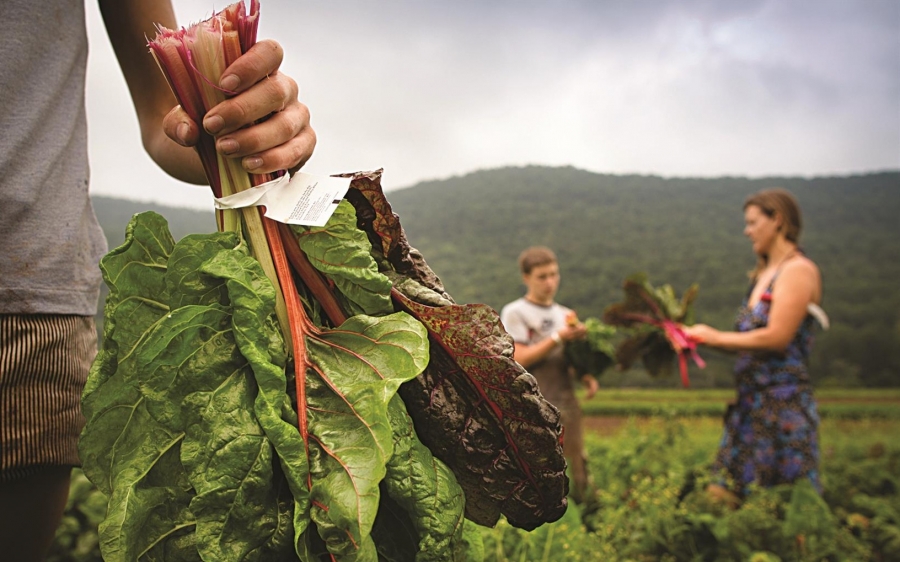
[182, 133]
[230, 82]
[213, 124]
[252, 162]
[228, 146]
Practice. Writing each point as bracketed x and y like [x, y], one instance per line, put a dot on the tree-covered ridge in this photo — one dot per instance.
[678, 231]
[683, 230]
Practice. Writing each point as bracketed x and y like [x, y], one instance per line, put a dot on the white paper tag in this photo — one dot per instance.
[299, 199]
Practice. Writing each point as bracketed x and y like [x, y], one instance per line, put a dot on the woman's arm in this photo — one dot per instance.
[285, 141]
[797, 286]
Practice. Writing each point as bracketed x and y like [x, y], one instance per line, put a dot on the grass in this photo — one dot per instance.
[858, 404]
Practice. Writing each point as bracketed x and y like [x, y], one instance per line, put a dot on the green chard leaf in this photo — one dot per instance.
[355, 370]
[596, 352]
[427, 491]
[244, 512]
[130, 456]
[342, 252]
[172, 436]
[135, 275]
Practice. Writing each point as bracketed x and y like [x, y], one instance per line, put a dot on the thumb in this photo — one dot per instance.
[179, 127]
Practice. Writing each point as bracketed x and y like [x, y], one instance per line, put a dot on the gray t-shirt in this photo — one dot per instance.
[50, 242]
[529, 323]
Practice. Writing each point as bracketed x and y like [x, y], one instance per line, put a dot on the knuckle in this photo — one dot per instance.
[280, 86]
[289, 127]
[293, 89]
[268, 55]
[240, 108]
[274, 49]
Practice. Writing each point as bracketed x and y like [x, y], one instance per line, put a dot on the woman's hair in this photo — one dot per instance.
[535, 256]
[780, 203]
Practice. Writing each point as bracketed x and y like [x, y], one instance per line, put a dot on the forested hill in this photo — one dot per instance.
[605, 227]
[114, 214]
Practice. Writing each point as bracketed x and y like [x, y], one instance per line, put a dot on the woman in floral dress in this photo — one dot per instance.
[771, 431]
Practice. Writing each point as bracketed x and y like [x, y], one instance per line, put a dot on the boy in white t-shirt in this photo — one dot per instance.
[540, 326]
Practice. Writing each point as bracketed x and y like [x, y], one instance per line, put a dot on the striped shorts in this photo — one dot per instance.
[44, 362]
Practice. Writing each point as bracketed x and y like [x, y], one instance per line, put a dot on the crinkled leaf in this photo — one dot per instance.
[129, 455]
[260, 342]
[195, 380]
[180, 397]
[355, 370]
[243, 512]
[190, 349]
[376, 218]
[419, 293]
[185, 284]
[427, 490]
[373, 210]
[482, 414]
[148, 516]
[135, 275]
[474, 407]
[343, 253]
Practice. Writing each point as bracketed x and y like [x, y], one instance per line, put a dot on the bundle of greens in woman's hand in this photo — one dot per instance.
[655, 316]
[222, 430]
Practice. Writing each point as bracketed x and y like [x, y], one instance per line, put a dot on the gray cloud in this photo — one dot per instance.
[429, 89]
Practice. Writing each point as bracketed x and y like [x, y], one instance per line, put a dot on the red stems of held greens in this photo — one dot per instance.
[299, 323]
[193, 61]
[311, 277]
[683, 345]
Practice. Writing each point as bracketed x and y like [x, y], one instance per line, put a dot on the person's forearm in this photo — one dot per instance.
[528, 355]
[178, 161]
[761, 339]
[128, 24]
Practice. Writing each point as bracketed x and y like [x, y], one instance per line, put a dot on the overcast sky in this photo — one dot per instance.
[428, 89]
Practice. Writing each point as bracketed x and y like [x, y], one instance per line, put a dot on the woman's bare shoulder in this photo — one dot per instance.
[801, 265]
[802, 271]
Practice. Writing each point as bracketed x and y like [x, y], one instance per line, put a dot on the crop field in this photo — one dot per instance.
[834, 403]
[649, 452]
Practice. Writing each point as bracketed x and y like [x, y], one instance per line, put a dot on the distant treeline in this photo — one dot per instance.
[679, 231]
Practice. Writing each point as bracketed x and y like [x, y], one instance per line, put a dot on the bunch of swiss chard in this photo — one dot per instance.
[275, 392]
[655, 316]
[596, 352]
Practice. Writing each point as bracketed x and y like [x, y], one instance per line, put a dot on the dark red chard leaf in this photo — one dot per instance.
[474, 407]
[656, 309]
[379, 218]
[376, 217]
[482, 414]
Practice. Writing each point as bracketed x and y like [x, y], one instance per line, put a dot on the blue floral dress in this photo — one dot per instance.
[771, 431]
